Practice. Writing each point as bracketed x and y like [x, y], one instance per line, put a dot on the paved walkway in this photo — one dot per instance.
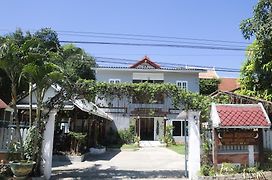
[151, 163]
[152, 144]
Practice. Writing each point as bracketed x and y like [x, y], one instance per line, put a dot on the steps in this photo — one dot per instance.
[146, 144]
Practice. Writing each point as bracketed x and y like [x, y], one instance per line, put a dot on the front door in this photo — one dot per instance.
[147, 129]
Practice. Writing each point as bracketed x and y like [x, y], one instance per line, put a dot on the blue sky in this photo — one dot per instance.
[212, 19]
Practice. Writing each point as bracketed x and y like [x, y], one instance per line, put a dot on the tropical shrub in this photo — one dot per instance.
[127, 136]
[77, 141]
[168, 138]
[228, 168]
[207, 170]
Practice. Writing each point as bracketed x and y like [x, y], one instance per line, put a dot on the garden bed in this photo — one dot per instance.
[261, 175]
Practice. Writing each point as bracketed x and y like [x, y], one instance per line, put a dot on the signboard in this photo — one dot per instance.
[249, 137]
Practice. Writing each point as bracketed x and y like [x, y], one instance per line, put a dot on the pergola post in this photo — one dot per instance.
[47, 145]
[194, 144]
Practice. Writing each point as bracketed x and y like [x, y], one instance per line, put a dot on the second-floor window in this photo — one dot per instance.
[182, 84]
[114, 81]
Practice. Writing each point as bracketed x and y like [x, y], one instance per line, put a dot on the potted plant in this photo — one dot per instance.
[77, 146]
[22, 163]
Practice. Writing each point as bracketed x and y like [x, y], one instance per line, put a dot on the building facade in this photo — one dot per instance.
[149, 126]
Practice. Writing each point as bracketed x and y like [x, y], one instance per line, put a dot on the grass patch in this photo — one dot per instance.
[129, 146]
[124, 146]
[178, 148]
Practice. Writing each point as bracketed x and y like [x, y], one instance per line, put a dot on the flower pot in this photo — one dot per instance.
[21, 169]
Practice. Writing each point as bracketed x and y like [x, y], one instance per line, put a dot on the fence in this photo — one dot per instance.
[9, 135]
[267, 139]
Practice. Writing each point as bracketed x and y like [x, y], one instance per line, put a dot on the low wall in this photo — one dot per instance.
[241, 158]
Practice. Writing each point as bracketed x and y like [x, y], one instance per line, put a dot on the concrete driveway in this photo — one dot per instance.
[151, 163]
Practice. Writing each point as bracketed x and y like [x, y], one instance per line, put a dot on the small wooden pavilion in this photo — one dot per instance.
[77, 115]
[238, 133]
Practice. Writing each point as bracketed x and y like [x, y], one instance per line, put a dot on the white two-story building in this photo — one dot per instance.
[149, 126]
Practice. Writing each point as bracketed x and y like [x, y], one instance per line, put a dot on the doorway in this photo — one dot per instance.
[147, 129]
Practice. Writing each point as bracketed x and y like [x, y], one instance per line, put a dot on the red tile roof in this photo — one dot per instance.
[146, 60]
[210, 74]
[3, 105]
[242, 115]
[228, 84]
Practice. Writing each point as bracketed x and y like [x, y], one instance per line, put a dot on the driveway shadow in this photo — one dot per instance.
[111, 173]
[108, 155]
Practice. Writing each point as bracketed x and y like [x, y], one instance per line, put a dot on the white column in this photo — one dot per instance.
[194, 144]
[47, 144]
[251, 155]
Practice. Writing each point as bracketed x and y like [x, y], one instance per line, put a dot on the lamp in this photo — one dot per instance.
[164, 124]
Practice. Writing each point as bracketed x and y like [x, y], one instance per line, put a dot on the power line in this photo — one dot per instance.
[219, 70]
[86, 33]
[164, 64]
[154, 36]
[164, 55]
[155, 45]
[152, 40]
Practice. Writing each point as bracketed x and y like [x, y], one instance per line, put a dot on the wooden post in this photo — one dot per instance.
[260, 144]
[215, 148]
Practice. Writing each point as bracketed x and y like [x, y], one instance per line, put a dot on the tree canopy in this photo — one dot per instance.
[208, 86]
[256, 72]
[41, 60]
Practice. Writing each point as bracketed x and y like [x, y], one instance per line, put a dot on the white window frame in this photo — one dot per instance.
[114, 81]
[182, 85]
[180, 128]
[183, 128]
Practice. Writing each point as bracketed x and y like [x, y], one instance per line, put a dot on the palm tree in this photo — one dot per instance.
[12, 62]
[41, 52]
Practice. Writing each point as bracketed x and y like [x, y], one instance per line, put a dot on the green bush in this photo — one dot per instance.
[206, 170]
[228, 168]
[125, 136]
[168, 138]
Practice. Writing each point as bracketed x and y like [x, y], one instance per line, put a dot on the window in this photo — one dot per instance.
[176, 128]
[182, 85]
[114, 81]
[184, 128]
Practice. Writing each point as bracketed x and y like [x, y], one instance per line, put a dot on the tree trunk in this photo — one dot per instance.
[37, 142]
[30, 104]
[15, 116]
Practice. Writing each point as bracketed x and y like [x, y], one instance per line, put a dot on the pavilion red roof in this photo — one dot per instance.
[146, 60]
[242, 115]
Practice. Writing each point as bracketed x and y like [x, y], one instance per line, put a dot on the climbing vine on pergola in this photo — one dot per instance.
[149, 91]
